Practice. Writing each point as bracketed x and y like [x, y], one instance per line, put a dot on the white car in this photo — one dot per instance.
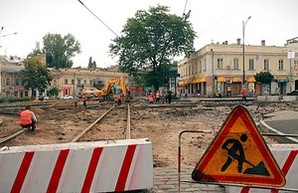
[67, 97]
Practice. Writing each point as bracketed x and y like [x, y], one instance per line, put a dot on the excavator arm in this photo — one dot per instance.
[107, 89]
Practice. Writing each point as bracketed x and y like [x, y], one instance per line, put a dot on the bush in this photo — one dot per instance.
[13, 99]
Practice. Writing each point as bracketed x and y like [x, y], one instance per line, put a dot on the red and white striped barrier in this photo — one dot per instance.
[119, 165]
[286, 157]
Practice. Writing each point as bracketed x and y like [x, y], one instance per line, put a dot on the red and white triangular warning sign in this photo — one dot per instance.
[239, 155]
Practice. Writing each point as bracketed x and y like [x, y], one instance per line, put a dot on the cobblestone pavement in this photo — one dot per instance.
[166, 180]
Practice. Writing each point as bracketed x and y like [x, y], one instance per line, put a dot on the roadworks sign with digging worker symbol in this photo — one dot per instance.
[239, 155]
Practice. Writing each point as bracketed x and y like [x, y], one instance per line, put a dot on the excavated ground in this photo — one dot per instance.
[161, 124]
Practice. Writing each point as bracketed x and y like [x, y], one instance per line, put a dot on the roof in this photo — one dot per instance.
[11, 68]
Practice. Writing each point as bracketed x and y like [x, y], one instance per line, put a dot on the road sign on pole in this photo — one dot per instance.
[239, 155]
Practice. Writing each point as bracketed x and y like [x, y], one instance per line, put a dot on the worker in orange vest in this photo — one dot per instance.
[85, 98]
[28, 119]
[151, 97]
[119, 98]
[243, 94]
[157, 96]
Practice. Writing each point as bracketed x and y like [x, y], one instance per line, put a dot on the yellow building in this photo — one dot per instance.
[71, 81]
[217, 69]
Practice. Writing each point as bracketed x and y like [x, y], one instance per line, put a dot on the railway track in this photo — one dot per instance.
[11, 135]
[123, 131]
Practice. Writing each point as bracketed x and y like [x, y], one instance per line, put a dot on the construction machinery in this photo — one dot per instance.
[106, 91]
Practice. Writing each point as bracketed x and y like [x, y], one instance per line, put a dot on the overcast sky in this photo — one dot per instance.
[214, 21]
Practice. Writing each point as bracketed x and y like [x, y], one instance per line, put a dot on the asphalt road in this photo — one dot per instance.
[285, 122]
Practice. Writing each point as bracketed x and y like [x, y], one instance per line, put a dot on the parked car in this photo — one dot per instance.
[67, 97]
[294, 92]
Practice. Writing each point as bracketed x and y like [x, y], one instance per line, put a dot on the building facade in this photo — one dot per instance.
[10, 82]
[69, 81]
[218, 69]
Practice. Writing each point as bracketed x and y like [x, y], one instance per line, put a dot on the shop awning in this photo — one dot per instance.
[182, 83]
[236, 79]
[282, 79]
[203, 79]
[196, 80]
[221, 79]
[251, 79]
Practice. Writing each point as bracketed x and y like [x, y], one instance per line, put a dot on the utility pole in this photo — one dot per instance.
[291, 55]
[243, 46]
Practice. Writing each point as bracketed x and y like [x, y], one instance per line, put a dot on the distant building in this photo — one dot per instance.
[10, 85]
[217, 69]
[69, 81]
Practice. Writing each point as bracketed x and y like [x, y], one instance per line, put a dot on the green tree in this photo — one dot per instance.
[98, 84]
[149, 43]
[35, 75]
[54, 91]
[91, 64]
[36, 51]
[60, 50]
[264, 77]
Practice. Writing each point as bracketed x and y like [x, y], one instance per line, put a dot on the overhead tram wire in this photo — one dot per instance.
[222, 18]
[98, 18]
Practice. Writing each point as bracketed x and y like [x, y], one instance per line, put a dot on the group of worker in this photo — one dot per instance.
[157, 97]
[118, 98]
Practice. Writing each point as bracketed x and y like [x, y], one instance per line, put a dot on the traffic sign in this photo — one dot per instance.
[239, 155]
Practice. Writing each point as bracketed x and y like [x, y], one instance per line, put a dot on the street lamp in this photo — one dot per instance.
[243, 46]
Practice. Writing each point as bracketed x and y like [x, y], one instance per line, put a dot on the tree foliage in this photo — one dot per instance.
[264, 77]
[53, 92]
[35, 75]
[60, 50]
[150, 41]
[91, 64]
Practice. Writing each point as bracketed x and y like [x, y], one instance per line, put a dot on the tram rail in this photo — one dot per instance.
[11, 135]
[126, 130]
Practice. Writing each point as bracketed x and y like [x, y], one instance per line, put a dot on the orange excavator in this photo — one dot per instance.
[105, 92]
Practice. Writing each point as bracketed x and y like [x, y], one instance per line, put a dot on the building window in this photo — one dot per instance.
[17, 82]
[55, 83]
[85, 82]
[26, 93]
[204, 65]
[266, 64]
[7, 83]
[7, 94]
[65, 81]
[236, 64]
[90, 82]
[251, 64]
[280, 64]
[15, 93]
[219, 63]
[72, 81]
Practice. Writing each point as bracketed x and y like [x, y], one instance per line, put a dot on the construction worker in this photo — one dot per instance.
[28, 119]
[157, 96]
[243, 94]
[118, 99]
[85, 98]
[151, 97]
